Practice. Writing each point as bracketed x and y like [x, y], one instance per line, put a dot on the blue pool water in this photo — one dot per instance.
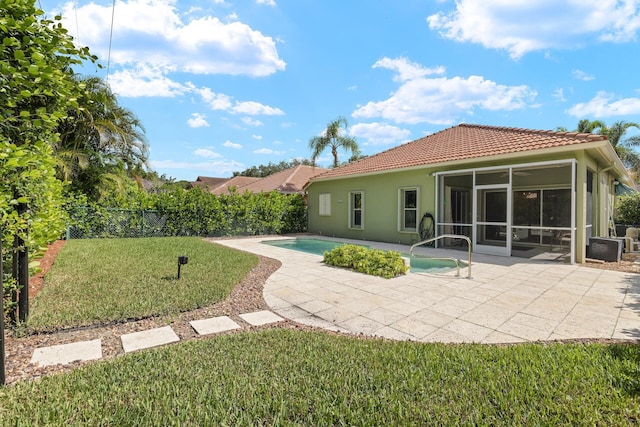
[310, 246]
[320, 246]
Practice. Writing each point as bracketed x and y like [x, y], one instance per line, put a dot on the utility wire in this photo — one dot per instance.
[113, 12]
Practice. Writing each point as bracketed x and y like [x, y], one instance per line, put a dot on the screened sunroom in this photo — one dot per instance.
[526, 210]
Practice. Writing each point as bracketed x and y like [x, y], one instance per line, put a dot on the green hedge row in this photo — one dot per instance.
[195, 212]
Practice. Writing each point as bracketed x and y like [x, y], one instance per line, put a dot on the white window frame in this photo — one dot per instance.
[352, 209]
[402, 209]
[324, 204]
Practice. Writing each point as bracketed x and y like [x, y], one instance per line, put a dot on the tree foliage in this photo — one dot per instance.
[36, 92]
[102, 145]
[194, 212]
[334, 137]
[628, 209]
[625, 148]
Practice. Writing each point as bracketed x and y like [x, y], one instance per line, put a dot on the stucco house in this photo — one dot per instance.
[513, 192]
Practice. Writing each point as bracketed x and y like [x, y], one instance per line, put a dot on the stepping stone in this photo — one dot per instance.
[66, 353]
[149, 338]
[214, 325]
[263, 317]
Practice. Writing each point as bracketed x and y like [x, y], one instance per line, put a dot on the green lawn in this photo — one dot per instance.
[285, 377]
[103, 280]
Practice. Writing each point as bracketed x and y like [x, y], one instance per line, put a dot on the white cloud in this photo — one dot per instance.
[216, 101]
[379, 133]
[145, 80]
[153, 32]
[230, 144]
[406, 70]
[258, 137]
[253, 108]
[581, 75]
[205, 152]
[197, 120]
[441, 100]
[266, 2]
[251, 122]
[603, 105]
[525, 26]
[219, 167]
[267, 151]
[559, 95]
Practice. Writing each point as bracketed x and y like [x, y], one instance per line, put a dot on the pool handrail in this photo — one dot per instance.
[450, 236]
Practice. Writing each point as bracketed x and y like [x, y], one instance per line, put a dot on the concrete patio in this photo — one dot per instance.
[506, 300]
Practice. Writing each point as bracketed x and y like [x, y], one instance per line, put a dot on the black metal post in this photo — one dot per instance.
[23, 282]
[2, 369]
[13, 313]
[182, 260]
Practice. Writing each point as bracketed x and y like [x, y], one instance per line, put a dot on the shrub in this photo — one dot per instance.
[375, 262]
[628, 209]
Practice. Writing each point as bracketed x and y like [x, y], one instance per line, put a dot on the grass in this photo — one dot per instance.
[285, 377]
[103, 280]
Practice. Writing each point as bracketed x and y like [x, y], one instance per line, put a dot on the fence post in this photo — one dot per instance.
[2, 370]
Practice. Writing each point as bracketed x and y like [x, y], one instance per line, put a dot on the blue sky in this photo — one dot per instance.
[222, 85]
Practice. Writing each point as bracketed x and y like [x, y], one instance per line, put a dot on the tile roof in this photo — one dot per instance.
[236, 181]
[204, 181]
[464, 141]
[288, 181]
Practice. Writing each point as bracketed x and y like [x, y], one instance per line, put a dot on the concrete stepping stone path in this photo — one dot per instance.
[259, 318]
[92, 350]
[149, 338]
[214, 325]
[67, 353]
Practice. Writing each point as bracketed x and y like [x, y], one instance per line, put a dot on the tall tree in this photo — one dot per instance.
[37, 90]
[101, 143]
[615, 133]
[334, 136]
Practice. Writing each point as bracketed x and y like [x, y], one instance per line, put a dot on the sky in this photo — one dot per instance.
[223, 85]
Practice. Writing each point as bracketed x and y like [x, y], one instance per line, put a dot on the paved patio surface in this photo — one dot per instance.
[506, 300]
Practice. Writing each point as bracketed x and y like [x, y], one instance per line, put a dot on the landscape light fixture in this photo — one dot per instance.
[182, 260]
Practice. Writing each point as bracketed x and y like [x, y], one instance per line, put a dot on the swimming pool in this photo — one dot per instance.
[320, 246]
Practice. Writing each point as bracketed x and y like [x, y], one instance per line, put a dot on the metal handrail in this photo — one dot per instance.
[450, 236]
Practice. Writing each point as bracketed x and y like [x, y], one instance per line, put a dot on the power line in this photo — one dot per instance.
[113, 12]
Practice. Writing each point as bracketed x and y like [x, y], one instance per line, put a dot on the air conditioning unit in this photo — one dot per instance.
[605, 249]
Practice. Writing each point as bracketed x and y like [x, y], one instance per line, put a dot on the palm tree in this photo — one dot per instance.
[334, 138]
[589, 126]
[615, 133]
[99, 141]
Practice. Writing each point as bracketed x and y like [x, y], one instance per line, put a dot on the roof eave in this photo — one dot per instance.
[601, 145]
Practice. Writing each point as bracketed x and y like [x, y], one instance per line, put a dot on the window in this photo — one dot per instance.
[408, 209]
[325, 204]
[356, 204]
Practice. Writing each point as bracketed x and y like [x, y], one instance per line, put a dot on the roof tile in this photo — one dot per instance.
[464, 141]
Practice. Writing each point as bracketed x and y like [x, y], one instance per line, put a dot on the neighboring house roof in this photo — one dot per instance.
[288, 181]
[211, 182]
[236, 181]
[462, 142]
